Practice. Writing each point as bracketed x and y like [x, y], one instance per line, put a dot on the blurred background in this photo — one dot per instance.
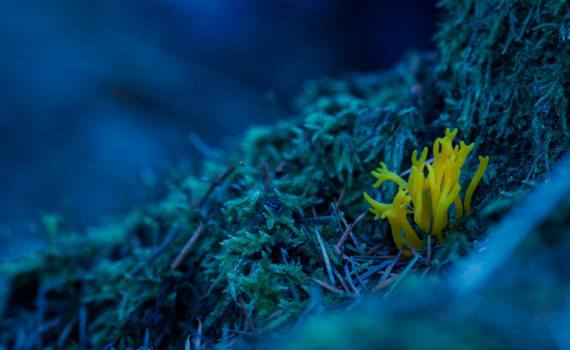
[98, 97]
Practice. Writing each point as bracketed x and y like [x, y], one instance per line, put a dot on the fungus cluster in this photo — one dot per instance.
[427, 197]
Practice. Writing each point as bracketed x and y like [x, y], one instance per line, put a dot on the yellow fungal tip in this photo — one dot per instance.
[430, 196]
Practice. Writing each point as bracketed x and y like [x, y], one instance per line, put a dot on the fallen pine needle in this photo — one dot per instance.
[187, 247]
[326, 286]
[401, 276]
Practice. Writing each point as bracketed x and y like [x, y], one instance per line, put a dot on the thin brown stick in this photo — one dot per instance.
[155, 253]
[339, 276]
[402, 275]
[267, 177]
[336, 217]
[412, 250]
[385, 283]
[276, 313]
[215, 184]
[187, 247]
[311, 240]
[390, 267]
[280, 167]
[349, 229]
[350, 279]
[350, 233]
[340, 254]
[372, 250]
[326, 286]
[249, 321]
[341, 197]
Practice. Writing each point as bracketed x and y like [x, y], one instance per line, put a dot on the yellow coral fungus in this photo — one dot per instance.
[427, 197]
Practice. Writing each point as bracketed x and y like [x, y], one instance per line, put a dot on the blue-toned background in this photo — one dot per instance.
[96, 94]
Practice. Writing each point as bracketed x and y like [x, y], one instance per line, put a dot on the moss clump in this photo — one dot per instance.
[266, 233]
[503, 76]
[270, 221]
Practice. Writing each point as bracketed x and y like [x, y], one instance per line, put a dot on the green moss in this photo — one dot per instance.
[503, 72]
[269, 208]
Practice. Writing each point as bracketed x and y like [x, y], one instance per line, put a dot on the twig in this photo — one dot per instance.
[401, 276]
[276, 313]
[280, 167]
[384, 283]
[325, 257]
[412, 250]
[373, 270]
[350, 233]
[267, 177]
[326, 286]
[304, 229]
[339, 276]
[357, 275]
[374, 248]
[390, 267]
[341, 197]
[187, 247]
[347, 273]
[349, 229]
[340, 254]
[216, 183]
[154, 254]
[336, 217]
[249, 321]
